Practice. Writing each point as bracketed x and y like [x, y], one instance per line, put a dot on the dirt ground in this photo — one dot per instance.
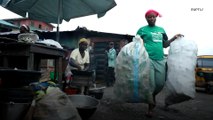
[201, 108]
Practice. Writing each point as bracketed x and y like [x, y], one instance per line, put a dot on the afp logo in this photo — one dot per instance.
[197, 9]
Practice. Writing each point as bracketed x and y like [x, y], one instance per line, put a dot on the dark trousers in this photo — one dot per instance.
[110, 76]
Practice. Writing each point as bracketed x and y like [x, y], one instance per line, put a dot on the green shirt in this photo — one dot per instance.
[153, 41]
[111, 57]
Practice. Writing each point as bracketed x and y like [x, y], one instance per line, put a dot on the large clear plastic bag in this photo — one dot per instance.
[132, 74]
[180, 84]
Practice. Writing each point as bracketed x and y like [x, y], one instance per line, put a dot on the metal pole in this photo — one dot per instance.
[59, 16]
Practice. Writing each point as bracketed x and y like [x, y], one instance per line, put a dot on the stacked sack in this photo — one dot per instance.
[132, 74]
[180, 84]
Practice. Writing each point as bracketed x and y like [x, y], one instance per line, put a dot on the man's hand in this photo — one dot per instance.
[177, 36]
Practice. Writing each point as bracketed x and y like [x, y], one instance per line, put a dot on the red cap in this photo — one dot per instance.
[153, 11]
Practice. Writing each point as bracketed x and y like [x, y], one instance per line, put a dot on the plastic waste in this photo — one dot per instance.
[132, 74]
[181, 61]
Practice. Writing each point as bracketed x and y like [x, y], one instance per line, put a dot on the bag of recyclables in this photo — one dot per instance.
[50, 42]
[180, 84]
[132, 74]
[28, 37]
[55, 105]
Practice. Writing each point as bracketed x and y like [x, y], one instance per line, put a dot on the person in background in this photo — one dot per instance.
[93, 62]
[26, 35]
[155, 39]
[91, 46]
[111, 55]
[80, 61]
[79, 58]
[24, 29]
[126, 41]
[123, 43]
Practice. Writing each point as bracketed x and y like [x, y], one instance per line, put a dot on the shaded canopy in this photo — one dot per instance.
[55, 11]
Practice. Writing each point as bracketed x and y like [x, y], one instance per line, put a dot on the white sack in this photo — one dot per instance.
[132, 73]
[181, 62]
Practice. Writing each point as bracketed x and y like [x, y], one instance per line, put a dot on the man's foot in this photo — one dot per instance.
[150, 110]
[149, 114]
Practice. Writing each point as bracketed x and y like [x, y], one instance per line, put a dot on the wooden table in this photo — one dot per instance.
[28, 56]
